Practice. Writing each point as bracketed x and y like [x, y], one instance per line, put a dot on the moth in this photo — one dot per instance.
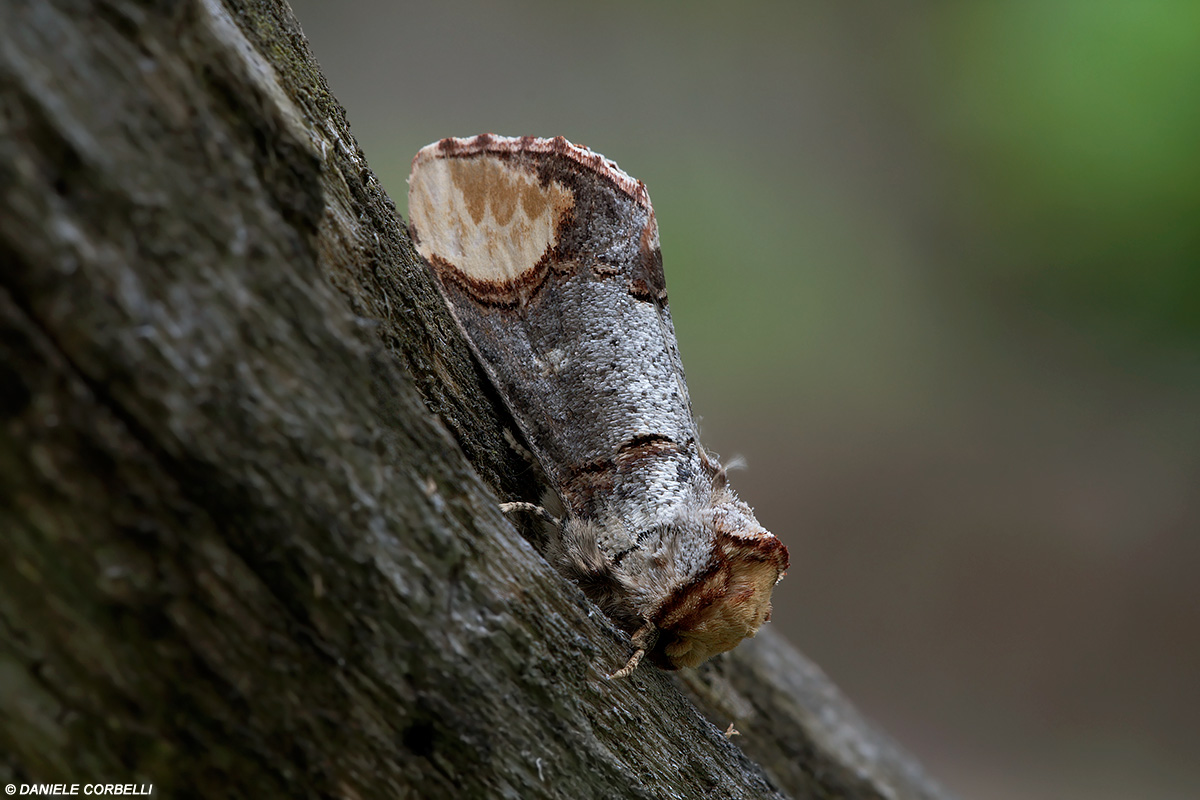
[548, 257]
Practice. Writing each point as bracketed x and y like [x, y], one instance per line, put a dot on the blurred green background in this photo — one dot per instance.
[935, 272]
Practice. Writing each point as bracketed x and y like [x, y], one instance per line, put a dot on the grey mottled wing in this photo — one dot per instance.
[578, 338]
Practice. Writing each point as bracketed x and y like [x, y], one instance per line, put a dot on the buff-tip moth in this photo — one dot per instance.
[548, 257]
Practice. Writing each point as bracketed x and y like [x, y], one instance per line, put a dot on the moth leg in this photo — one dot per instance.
[642, 640]
[630, 665]
[531, 508]
[521, 449]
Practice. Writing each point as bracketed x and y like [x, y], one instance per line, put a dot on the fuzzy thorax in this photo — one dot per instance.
[698, 613]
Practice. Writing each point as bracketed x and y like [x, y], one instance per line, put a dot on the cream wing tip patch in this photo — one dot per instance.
[485, 216]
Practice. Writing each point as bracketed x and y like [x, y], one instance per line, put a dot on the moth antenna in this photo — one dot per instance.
[721, 479]
[531, 508]
[737, 462]
[644, 637]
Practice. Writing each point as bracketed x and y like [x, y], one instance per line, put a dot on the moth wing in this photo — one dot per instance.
[548, 255]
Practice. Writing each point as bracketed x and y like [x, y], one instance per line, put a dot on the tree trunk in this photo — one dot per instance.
[249, 471]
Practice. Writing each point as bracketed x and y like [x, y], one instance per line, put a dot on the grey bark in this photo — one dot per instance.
[249, 472]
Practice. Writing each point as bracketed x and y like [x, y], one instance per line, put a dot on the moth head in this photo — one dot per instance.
[729, 600]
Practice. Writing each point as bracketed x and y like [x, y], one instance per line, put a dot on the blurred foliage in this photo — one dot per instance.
[792, 292]
[1080, 123]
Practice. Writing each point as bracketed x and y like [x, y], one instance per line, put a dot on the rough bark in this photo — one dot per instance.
[242, 556]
